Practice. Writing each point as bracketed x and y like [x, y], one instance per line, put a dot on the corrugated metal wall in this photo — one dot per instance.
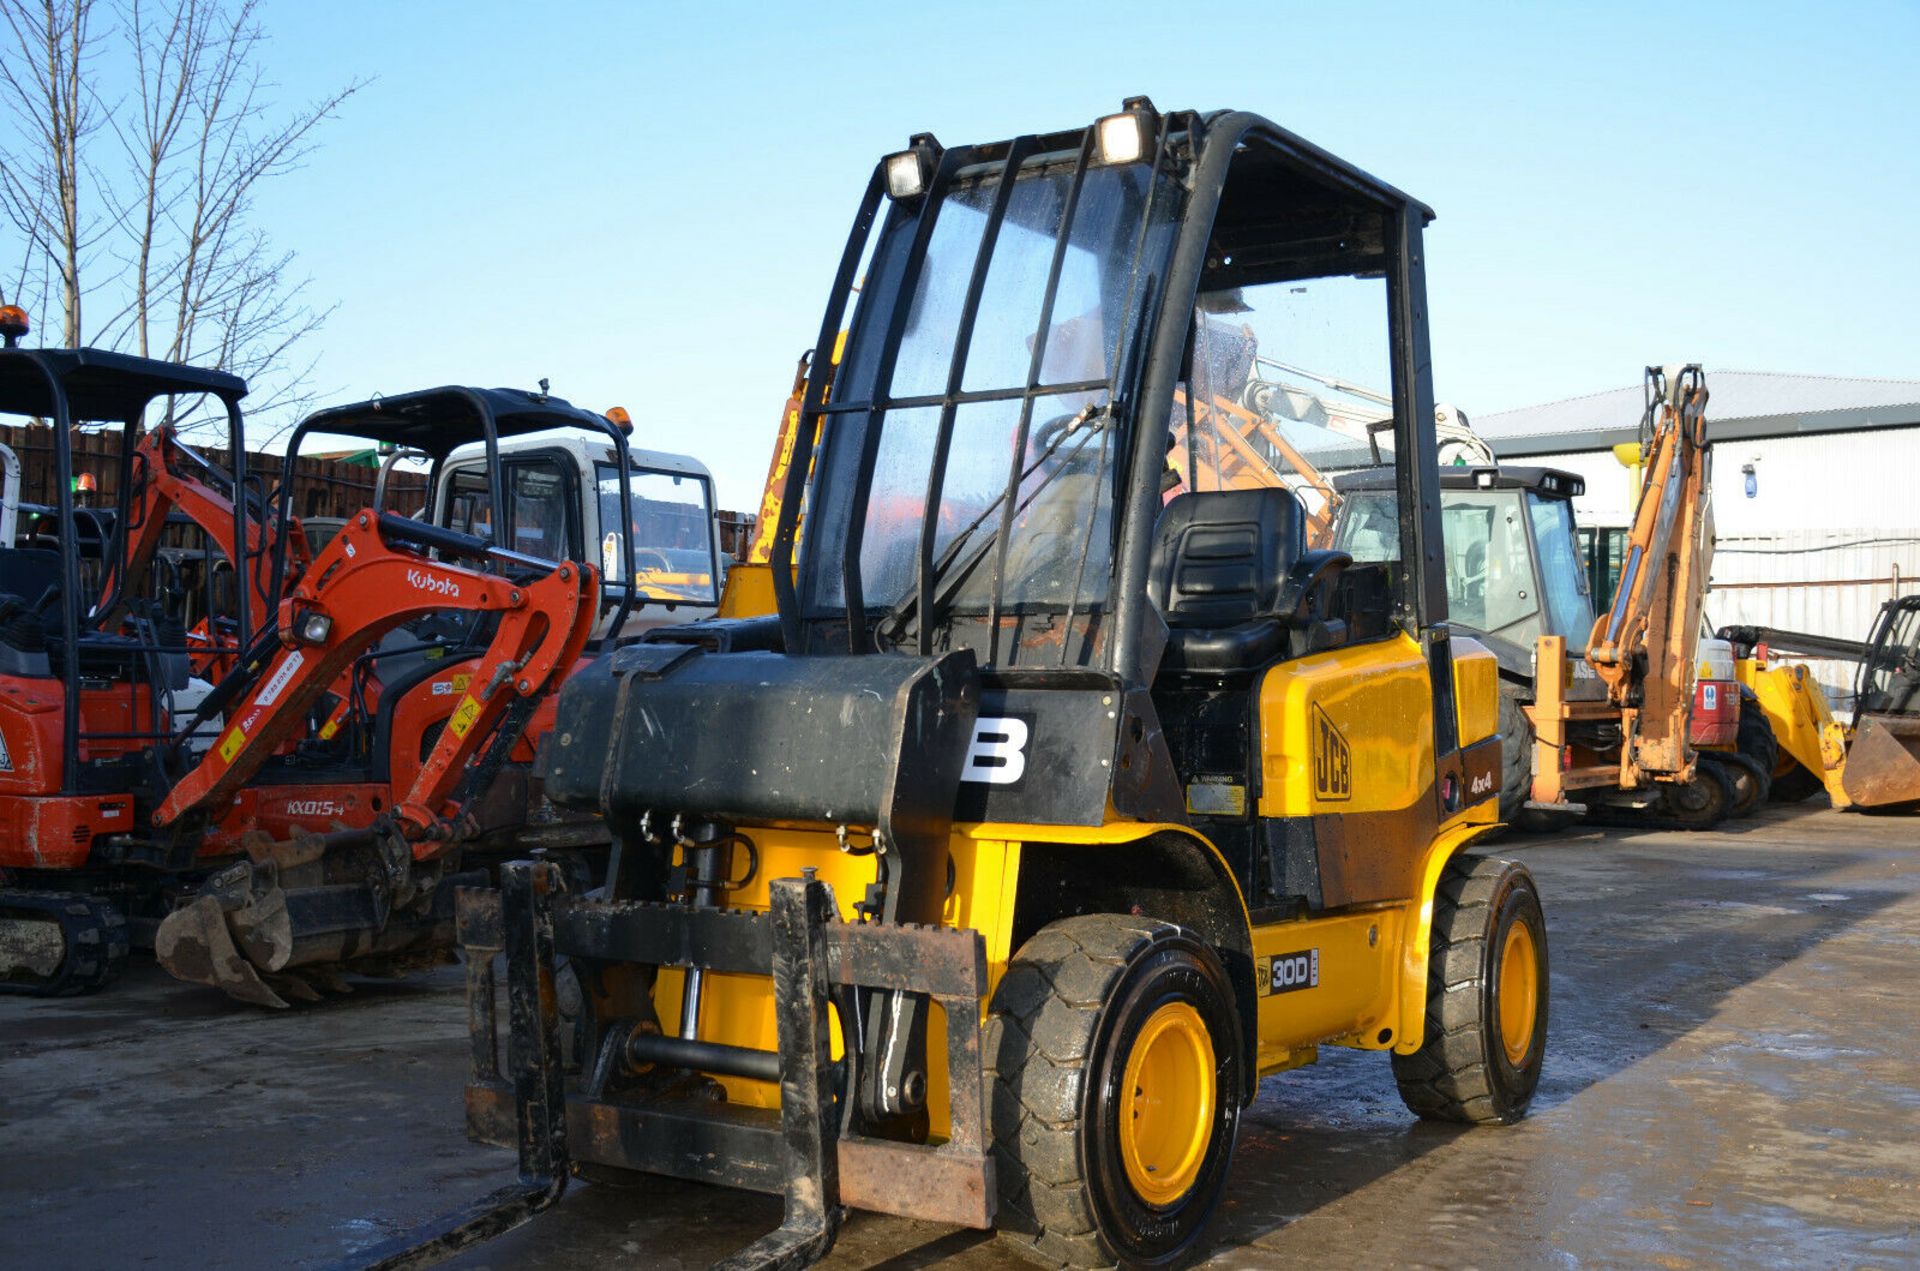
[1829, 582]
[1843, 480]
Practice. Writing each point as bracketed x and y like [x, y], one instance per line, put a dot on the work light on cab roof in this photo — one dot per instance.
[1127, 137]
[910, 171]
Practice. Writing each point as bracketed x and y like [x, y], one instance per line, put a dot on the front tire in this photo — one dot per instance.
[1486, 1022]
[1114, 1057]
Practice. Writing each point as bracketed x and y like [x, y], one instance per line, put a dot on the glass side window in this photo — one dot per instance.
[470, 504]
[673, 549]
[1489, 564]
[1368, 527]
[537, 493]
[1289, 381]
[539, 503]
[1562, 573]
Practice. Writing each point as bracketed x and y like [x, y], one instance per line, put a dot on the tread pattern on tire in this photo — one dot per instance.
[1516, 754]
[1756, 736]
[1447, 1078]
[1037, 1036]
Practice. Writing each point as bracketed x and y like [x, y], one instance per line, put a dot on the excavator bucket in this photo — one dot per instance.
[1883, 764]
[193, 944]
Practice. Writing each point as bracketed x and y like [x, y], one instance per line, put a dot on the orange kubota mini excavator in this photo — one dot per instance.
[448, 668]
[131, 784]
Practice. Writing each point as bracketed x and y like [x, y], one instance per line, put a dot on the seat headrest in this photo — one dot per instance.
[1221, 557]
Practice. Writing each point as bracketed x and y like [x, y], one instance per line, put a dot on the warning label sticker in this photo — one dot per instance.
[463, 716]
[230, 746]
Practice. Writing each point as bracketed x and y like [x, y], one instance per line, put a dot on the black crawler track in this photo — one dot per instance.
[93, 934]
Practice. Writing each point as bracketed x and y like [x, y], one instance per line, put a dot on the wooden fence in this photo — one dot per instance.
[321, 487]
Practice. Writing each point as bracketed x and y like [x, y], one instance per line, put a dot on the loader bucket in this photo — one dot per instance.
[1883, 763]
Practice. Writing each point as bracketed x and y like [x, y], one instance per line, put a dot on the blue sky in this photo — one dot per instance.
[645, 202]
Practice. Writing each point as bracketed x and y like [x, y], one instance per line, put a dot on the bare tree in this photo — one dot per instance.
[143, 201]
[49, 92]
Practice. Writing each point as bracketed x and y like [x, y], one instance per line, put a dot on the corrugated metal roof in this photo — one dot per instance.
[1743, 404]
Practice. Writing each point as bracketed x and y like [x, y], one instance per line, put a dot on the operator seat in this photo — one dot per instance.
[1234, 581]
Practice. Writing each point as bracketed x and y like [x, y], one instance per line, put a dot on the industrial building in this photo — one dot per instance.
[1815, 519]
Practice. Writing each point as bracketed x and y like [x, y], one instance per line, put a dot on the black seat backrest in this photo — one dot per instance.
[1221, 557]
[27, 572]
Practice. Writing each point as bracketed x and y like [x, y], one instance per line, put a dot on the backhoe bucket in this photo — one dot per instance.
[1883, 763]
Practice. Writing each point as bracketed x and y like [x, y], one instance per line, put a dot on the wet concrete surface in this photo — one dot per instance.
[1731, 1081]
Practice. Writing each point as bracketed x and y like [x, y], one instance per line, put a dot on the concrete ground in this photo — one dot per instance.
[1730, 1082]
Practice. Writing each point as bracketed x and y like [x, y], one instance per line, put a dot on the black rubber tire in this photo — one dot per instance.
[1796, 785]
[1516, 754]
[1700, 804]
[1747, 780]
[1756, 739]
[1461, 1071]
[1058, 1036]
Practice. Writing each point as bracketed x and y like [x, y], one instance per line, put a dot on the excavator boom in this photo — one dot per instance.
[366, 582]
[1643, 647]
[168, 477]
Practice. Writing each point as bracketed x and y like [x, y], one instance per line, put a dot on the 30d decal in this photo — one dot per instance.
[1291, 972]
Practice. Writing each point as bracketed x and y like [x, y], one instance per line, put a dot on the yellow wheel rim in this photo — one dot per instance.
[1519, 993]
[1166, 1106]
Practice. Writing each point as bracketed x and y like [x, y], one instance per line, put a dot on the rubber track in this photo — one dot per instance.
[95, 934]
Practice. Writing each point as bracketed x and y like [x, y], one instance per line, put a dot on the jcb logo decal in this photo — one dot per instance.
[1332, 761]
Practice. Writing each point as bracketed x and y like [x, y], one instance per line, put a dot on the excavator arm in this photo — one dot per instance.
[371, 578]
[170, 477]
[1643, 647]
[1237, 449]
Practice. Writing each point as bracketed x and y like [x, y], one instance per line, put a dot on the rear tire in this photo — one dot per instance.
[1487, 993]
[1114, 1062]
[1516, 753]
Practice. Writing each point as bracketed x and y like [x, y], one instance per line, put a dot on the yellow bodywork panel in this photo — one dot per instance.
[1796, 707]
[1348, 741]
[1476, 690]
[748, 591]
[1346, 731]
[738, 1009]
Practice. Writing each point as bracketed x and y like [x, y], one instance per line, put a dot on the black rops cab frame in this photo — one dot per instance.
[935, 584]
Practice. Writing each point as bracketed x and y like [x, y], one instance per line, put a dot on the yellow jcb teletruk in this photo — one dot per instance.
[1065, 796]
